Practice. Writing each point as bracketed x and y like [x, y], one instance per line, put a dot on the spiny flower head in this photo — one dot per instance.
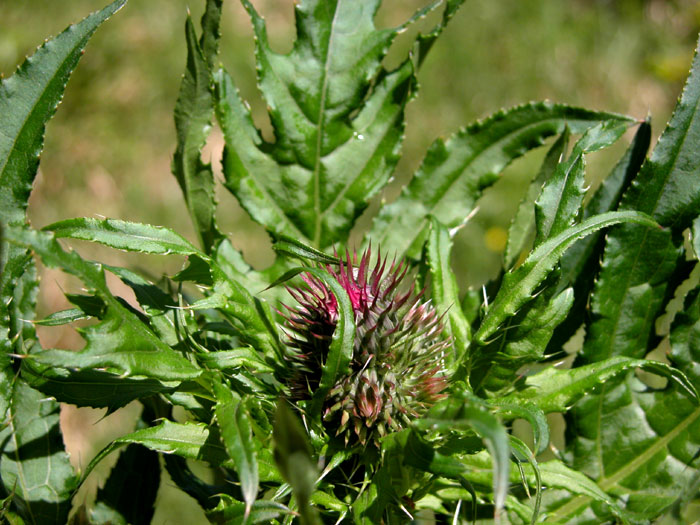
[396, 371]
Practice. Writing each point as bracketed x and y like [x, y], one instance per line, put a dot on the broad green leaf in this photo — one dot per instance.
[417, 453]
[198, 270]
[28, 99]
[445, 294]
[121, 341]
[123, 235]
[293, 458]
[34, 467]
[460, 412]
[455, 173]
[581, 263]
[237, 437]
[554, 390]
[668, 185]
[330, 502]
[317, 204]
[519, 284]
[648, 465]
[90, 388]
[638, 263]
[559, 203]
[522, 225]
[640, 270]
[337, 115]
[129, 494]
[237, 269]
[425, 42]
[122, 345]
[380, 493]
[232, 264]
[193, 114]
[187, 440]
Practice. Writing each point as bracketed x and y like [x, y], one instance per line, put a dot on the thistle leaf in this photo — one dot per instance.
[638, 263]
[445, 293]
[337, 115]
[652, 464]
[560, 201]
[342, 344]
[519, 284]
[455, 173]
[18, 290]
[187, 440]
[123, 235]
[294, 248]
[63, 317]
[522, 342]
[639, 273]
[233, 359]
[121, 341]
[237, 436]
[656, 460]
[41, 484]
[460, 412]
[90, 387]
[523, 222]
[193, 114]
[554, 390]
[521, 452]
[35, 468]
[581, 263]
[156, 304]
[236, 513]
[555, 475]
[28, 99]
[532, 414]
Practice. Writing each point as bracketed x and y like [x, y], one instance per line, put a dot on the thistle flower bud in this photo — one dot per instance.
[396, 371]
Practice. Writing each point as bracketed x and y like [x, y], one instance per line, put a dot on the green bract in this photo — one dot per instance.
[362, 402]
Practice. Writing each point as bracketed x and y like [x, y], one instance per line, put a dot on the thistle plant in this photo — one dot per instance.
[397, 368]
[366, 391]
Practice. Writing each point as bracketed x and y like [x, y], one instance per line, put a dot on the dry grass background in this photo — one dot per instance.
[108, 149]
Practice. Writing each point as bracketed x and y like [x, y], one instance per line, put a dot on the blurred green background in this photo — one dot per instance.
[108, 149]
